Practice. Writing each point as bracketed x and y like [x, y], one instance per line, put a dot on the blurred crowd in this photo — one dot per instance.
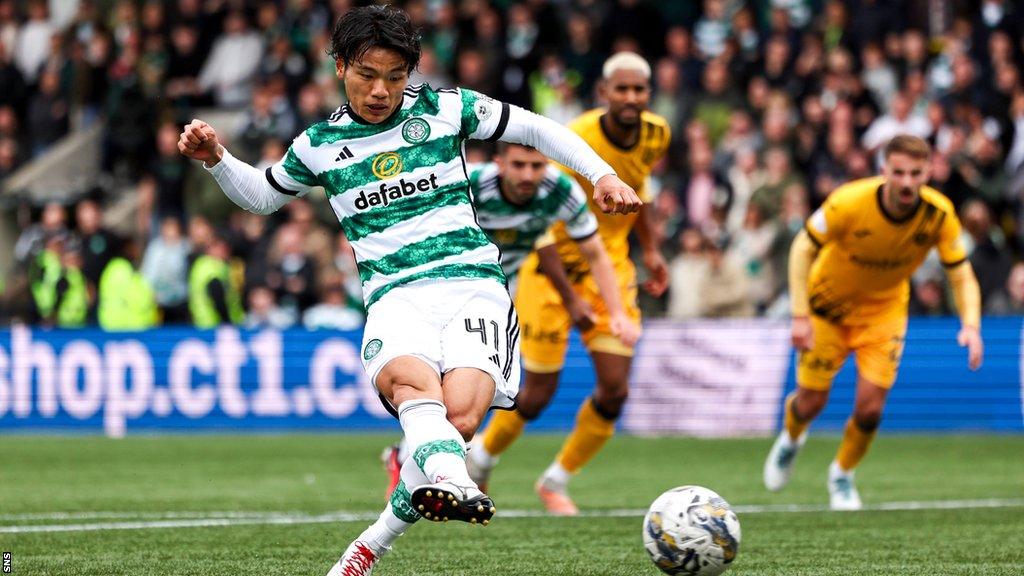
[772, 105]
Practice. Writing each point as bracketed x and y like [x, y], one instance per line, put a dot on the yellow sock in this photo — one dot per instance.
[793, 426]
[505, 427]
[586, 439]
[854, 446]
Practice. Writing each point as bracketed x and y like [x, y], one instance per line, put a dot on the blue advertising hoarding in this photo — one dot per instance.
[703, 378]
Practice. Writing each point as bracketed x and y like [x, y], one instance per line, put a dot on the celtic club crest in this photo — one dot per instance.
[416, 130]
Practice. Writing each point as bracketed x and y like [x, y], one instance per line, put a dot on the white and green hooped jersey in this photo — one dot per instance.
[400, 188]
[514, 228]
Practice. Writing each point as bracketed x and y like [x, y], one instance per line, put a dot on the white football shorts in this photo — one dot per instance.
[448, 324]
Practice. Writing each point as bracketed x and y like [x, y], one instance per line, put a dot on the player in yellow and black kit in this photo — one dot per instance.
[849, 276]
[551, 298]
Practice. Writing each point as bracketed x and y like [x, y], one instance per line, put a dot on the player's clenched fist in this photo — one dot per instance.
[199, 141]
[613, 196]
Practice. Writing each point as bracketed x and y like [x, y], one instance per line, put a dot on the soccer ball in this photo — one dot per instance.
[691, 530]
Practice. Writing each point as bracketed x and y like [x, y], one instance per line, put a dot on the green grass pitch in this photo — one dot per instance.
[268, 493]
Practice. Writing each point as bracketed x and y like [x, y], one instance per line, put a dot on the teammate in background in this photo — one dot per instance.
[848, 280]
[440, 341]
[549, 302]
[518, 197]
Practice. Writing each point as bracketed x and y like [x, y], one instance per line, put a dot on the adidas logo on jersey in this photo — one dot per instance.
[387, 194]
[345, 154]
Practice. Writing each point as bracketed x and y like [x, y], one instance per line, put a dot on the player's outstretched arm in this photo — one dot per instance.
[243, 184]
[612, 195]
[967, 294]
[801, 255]
[582, 315]
[622, 325]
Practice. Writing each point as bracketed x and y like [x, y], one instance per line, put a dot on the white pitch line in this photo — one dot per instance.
[283, 518]
[137, 515]
[198, 523]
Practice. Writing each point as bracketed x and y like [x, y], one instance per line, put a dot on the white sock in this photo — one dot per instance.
[557, 476]
[835, 470]
[480, 456]
[435, 445]
[398, 515]
[403, 450]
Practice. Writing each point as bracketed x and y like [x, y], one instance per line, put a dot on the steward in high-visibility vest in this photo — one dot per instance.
[72, 300]
[126, 300]
[44, 274]
[213, 297]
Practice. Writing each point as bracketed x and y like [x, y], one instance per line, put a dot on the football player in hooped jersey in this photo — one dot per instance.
[848, 281]
[519, 196]
[392, 167]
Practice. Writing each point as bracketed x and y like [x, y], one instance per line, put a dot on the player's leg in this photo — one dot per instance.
[545, 326]
[878, 348]
[405, 367]
[536, 393]
[395, 455]
[595, 425]
[413, 385]
[392, 459]
[397, 517]
[437, 417]
[595, 419]
[506, 426]
[816, 368]
[451, 494]
[857, 437]
[480, 360]
[863, 424]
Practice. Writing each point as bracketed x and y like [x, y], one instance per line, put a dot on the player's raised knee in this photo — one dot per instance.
[465, 421]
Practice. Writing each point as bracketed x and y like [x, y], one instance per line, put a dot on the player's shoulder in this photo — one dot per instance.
[423, 99]
[317, 134]
[455, 97]
[481, 172]
[452, 93]
[936, 198]
[558, 182]
[339, 125]
[855, 194]
[656, 134]
[588, 121]
[556, 175]
[652, 119]
[413, 92]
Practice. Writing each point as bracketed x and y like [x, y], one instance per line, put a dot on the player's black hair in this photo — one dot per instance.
[375, 27]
